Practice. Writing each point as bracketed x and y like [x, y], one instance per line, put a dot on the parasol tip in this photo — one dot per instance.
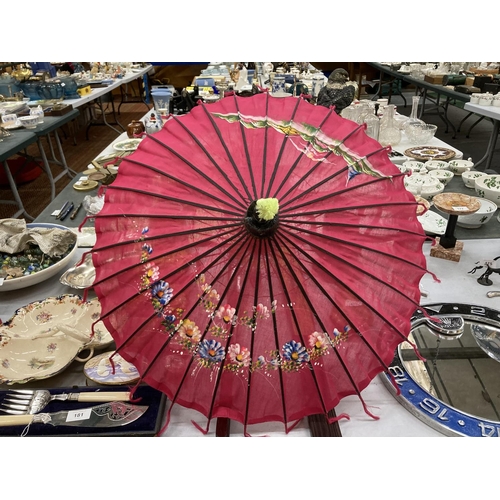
[267, 208]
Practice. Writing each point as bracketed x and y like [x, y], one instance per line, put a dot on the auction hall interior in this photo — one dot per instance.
[236, 249]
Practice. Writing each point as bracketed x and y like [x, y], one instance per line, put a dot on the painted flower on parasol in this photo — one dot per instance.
[258, 259]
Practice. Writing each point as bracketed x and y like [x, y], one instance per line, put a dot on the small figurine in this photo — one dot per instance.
[338, 91]
[491, 267]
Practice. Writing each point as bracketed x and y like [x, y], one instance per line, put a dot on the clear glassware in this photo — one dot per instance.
[372, 125]
[389, 134]
[414, 127]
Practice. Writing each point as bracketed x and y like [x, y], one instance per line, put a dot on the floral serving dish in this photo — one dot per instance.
[469, 177]
[436, 165]
[477, 219]
[488, 187]
[424, 185]
[444, 176]
[458, 167]
[43, 338]
[433, 223]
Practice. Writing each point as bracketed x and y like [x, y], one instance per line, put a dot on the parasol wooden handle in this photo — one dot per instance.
[103, 397]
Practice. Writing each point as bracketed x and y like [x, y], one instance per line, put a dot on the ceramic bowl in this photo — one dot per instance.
[29, 121]
[424, 185]
[488, 187]
[444, 176]
[412, 166]
[33, 279]
[482, 216]
[436, 165]
[469, 177]
[458, 167]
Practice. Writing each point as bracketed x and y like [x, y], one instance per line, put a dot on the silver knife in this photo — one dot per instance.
[113, 414]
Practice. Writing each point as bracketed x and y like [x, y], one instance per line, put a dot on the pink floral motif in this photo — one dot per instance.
[239, 357]
[261, 311]
[318, 344]
[43, 317]
[225, 313]
[238, 354]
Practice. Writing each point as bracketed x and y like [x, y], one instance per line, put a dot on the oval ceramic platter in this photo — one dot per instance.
[23, 281]
[127, 145]
[43, 338]
[100, 369]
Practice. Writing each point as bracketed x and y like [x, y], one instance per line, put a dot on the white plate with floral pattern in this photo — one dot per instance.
[433, 223]
[43, 338]
[100, 369]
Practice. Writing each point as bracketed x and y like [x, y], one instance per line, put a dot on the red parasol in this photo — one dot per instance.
[258, 259]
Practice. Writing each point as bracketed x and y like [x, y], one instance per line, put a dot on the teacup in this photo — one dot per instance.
[9, 119]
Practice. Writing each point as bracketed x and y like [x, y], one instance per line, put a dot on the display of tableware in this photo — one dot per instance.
[488, 186]
[161, 101]
[482, 216]
[458, 167]
[436, 165]
[57, 265]
[85, 184]
[485, 99]
[44, 337]
[469, 177]
[278, 84]
[50, 90]
[117, 371]
[135, 128]
[433, 223]
[38, 112]
[474, 98]
[127, 145]
[425, 153]
[424, 185]
[496, 100]
[444, 176]
[29, 122]
[81, 275]
[10, 121]
[413, 165]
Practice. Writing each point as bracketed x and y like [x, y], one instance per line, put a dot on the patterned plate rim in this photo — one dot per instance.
[448, 154]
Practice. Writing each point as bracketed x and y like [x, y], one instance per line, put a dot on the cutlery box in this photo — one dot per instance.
[148, 424]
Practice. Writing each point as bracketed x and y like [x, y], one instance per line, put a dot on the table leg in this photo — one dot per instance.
[488, 156]
[17, 199]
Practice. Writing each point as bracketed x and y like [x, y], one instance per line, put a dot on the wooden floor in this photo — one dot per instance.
[78, 151]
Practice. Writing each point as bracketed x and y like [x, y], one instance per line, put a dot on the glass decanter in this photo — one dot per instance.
[389, 134]
[372, 125]
[413, 120]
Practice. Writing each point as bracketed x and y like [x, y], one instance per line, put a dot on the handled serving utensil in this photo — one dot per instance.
[26, 401]
[114, 414]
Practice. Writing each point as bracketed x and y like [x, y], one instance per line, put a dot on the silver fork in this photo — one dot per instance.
[27, 401]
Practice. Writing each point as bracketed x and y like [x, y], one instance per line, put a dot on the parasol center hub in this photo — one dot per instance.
[261, 218]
